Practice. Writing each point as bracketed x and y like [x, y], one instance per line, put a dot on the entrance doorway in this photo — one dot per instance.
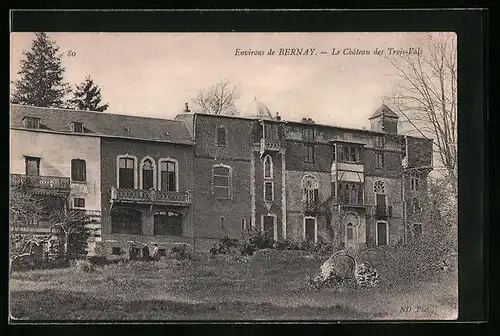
[310, 229]
[268, 226]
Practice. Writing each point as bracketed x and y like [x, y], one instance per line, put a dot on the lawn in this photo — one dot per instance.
[220, 288]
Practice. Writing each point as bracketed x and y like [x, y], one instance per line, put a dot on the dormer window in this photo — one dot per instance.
[31, 122]
[76, 127]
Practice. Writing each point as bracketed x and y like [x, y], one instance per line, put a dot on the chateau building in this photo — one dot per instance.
[201, 177]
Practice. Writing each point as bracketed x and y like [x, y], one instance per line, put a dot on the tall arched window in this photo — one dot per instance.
[349, 232]
[126, 172]
[221, 136]
[380, 191]
[310, 187]
[268, 167]
[169, 175]
[379, 187]
[148, 173]
[351, 222]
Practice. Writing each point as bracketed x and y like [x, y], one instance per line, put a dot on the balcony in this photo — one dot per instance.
[149, 197]
[382, 211]
[310, 207]
[45, 185]
[267, 145]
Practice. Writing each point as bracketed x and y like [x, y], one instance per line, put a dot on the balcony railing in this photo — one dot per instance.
[310, 207]
[41, 182]
[144, 196]
[269, 145]
[382, 211]
[346, 201]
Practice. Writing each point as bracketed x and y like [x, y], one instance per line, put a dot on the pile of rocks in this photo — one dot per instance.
[366, 276]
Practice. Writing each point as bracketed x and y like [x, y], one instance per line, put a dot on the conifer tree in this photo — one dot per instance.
[87, 96]
[41, 78]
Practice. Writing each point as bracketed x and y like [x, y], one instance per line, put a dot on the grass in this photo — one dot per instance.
[217, 289]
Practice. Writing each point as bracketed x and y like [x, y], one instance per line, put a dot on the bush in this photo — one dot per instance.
[181, 252]
[247, 249]
[226, 245]
[82, 265]
[287, 245]
[261, 240]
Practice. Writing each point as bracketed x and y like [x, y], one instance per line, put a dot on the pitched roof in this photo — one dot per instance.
[385, 111]
[103, 123]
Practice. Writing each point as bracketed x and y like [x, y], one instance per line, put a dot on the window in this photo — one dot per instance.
[167, 223]
[268, 167]
[221, 137]
[221, 181]
[382, 233]
[79, 202]
[31, 122]
[308, 134]
[77, 127]
[222, 223]
[168, 175]
[271, 132]
[379, 141]
[126, 173]
[379, 187]
[350, 193]
[309, 153]
[32, 166]
[116, 251]
[417, 230]
[310, 187]
[414, 184]
[124, 220]
[148, 173]
[416, 205]
[334, 152]
[268, 191]
[349, 153]
[350, 232]
[78, 170]
[379, 158]
[243, 224]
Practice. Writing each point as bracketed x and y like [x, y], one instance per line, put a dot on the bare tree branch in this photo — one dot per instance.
[220, 98]
[427, 96]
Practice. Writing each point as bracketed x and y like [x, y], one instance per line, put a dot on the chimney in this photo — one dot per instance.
[186, 109]
[277, 116]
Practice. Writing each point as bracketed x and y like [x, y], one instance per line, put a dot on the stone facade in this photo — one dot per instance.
[237, 175]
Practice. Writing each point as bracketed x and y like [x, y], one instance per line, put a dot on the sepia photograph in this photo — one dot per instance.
[233, 176]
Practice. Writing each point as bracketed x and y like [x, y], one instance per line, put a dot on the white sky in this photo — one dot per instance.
[154, 74]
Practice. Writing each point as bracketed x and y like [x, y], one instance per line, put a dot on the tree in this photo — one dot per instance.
[41, 81]
[87, 97]
[427, 97]
[220, 98]
[71, 224]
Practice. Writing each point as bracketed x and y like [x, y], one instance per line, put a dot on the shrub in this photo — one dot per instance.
[181, 252]
[287, 245]
[261, 240]
[83, 265]
[247, 249]
[226, 245]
